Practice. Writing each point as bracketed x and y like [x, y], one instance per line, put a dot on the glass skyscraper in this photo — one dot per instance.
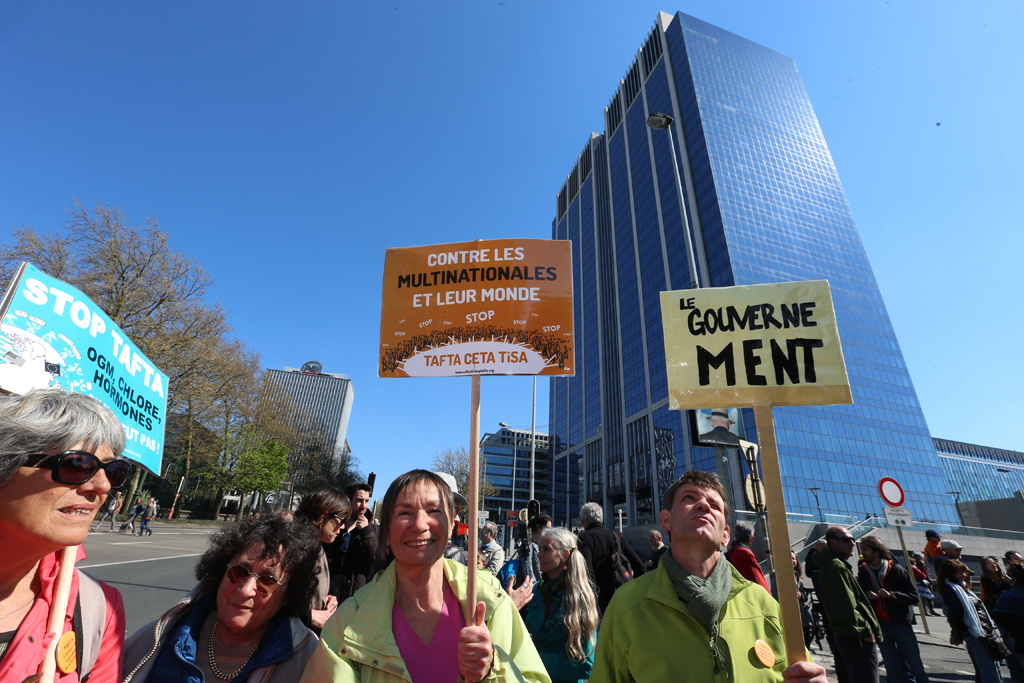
[762, 202]
[980, 472]
[319, 406]
[507, 451]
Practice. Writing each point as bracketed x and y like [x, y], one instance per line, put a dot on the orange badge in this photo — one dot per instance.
[764, 653]
[67, 658]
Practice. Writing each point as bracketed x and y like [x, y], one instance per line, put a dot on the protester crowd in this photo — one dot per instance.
[327, 594]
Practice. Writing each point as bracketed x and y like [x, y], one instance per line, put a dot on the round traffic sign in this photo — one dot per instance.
[891, 492]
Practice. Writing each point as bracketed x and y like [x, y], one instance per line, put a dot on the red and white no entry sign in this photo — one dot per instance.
[891, 492]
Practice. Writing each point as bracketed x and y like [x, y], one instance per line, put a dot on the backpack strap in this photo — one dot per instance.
[90, 620]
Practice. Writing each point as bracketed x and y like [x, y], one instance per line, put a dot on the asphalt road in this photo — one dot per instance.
[152, 572]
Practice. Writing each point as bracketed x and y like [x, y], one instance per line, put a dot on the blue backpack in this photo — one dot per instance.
[509, 571]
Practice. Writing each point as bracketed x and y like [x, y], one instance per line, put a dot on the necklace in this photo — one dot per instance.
[213, 662]
[30, 601]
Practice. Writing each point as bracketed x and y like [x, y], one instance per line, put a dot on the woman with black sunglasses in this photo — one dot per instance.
[325, 510]
[58, 462]
[241, 623]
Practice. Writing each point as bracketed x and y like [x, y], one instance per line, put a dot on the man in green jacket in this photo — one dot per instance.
[853, 620]
[695, 618]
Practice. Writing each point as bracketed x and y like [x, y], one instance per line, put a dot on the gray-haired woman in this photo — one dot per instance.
[562, 617]
[241, 622]
[59, 458]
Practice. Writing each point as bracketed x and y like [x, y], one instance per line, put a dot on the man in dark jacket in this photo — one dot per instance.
[597, 545]
[890, 590]
[849, 612]
[351, 555]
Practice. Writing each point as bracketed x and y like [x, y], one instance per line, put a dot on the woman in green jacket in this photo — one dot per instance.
[407, 624]
[562, 616]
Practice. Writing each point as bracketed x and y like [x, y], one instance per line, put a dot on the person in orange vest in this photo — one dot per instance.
[931, 548]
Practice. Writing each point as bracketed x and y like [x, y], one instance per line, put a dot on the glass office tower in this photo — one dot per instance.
[762, 202]
[319, 407]
[976, 472]
[506, 451]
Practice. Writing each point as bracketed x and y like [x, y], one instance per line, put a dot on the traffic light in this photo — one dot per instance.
[532, 510]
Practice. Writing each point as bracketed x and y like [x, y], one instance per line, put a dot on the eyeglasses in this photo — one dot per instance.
[265, 583]
[78, 467]
[345, 538]
[845, 539]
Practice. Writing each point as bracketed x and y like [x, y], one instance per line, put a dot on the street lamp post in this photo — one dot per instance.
[664, 122]
[814, 490]
[515, 451]
[533, 438]
[956, 501]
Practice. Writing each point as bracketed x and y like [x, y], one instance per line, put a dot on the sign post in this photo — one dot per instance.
[758, 346]
[898, 516]
[489, 307]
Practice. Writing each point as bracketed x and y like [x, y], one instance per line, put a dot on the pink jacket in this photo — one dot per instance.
[26, 651]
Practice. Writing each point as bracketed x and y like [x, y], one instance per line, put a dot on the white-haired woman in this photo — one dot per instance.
[59, 458]
[562, 616]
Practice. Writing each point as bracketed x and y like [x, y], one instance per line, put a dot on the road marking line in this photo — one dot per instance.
[965, 673]
[148, 559]
[133, 543]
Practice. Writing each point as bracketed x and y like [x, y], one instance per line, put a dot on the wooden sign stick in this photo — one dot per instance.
[55, 625]
[473, 532]
[785, 581]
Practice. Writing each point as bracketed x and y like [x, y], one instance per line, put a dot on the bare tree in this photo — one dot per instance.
[455, 461]
[157, 296]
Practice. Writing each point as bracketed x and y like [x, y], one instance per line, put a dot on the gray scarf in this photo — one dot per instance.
[704, 597]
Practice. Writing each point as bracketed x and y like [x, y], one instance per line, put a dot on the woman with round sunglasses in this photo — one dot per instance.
[325, 510]
[58, 462]
[408, 623]
[241, 623]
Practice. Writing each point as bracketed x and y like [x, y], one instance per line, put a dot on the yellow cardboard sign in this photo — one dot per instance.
[769, 345]
[489, 307]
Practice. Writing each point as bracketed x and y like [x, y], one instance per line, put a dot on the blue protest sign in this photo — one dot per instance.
[52, 335]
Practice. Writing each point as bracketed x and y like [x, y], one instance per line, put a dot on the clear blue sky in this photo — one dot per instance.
[287, 145]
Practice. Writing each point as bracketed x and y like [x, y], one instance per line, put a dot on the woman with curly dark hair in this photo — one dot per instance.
[241, 622]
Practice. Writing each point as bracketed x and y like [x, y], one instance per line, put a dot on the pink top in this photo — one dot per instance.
[436, 661]
[26, 650]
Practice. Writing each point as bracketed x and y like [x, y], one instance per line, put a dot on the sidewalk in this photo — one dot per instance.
[938, 637]
[940, 632]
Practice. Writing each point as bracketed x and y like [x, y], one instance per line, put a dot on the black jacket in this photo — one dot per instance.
[955, 613]
[350, 567]
[597, 545]
[894, 610]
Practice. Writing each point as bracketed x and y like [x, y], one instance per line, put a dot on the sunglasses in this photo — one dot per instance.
[265, 583]
[78, 467]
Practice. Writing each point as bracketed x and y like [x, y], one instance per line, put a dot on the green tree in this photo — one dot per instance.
[261, 469]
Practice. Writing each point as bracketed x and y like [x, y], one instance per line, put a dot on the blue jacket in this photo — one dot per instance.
[549, 635]
[175, 660]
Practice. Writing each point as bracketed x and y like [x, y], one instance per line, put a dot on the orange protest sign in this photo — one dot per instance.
[489, 307]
